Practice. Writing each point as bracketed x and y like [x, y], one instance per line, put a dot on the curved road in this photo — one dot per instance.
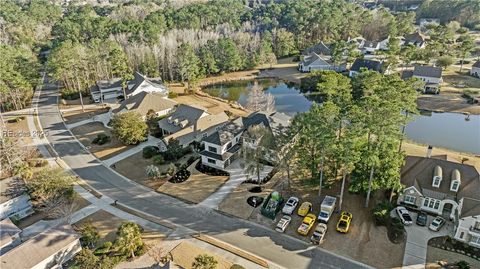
[281, 251]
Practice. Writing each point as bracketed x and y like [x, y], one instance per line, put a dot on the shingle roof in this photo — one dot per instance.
[418, 171]
[313, 57]
[415, 38]
[320, 48]
[144, 102]
[37, 249]
[427, 71]
[185, 114]
[470, 207]
[140, 80]
[476, 64]
[368, 64]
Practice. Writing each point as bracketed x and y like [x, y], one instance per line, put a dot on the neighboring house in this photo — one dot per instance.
[447, 188]
[430, 75]
[320, 49]
[9, 235]
[49, 249]
[14, 200]
[189, 123]
[224, 146]
[358, 41]
[360, 64]
[314, 61]
[112, 89]
[370, 47]
[475, 71]
[415, 39]
[145, 103]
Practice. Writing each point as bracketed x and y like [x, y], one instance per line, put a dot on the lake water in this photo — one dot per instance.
[447, 130]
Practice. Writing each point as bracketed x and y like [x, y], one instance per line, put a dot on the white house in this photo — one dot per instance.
[147, 102]
[415, 39]
[442, 187]
[112, 89]
[314, 61]
[430, 75]
[14, 201]
[49, 249]
[370, 47]
[475, 71]
[224, 146]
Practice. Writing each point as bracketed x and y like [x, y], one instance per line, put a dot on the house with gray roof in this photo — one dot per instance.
[416, 39]
[225, 145]
[475, 71]
[430, 75]
[447, 188]
[14, 199]
[49, 249]
[147, 102]
[110, 90]
[313, 61]
[187, 123]
[320, 49]
[365, 64]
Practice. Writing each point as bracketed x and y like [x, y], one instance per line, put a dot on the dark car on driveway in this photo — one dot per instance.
[422, 219]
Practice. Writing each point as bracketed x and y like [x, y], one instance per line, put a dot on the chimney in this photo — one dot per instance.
[429, 151]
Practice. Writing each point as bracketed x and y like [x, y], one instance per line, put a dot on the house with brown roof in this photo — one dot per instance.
[187, 123]
[49, 249]
[446, 188]
[145, 103]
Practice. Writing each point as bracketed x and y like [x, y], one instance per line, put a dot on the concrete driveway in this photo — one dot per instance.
[417, 239]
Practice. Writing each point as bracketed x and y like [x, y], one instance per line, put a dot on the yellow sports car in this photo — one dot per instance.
[307, 224]
[344, 222]
[304, 209]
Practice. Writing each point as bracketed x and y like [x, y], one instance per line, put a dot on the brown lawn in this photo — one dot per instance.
[79, 115]
[18, 128]
[184, 255]
[87, 132]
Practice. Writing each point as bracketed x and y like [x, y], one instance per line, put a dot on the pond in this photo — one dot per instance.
[447, 130]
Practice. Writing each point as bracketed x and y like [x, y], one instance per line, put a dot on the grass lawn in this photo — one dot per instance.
[87, 132]
[78, 115]
[196, 188]
[184, 255]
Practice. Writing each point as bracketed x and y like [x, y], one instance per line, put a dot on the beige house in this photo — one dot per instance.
[147, 102]
[447, 188]
[49, 249]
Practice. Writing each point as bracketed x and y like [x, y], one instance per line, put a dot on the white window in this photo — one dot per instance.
[436, 181]
[431, 203]
[437, 204]
[455, 185]
[211, 161]
[425, 202]
[212, 149]
[475, 239]
[409, 199]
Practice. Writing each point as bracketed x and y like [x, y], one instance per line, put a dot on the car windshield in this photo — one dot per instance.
[342, 224]
[422, 217]
[436, 222]
[323, 214]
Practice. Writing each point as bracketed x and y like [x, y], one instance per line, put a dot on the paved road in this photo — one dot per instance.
[282, 251]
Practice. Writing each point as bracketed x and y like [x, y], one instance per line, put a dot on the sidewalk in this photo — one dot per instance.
[237, 176]
[103, 118]
[152, 141]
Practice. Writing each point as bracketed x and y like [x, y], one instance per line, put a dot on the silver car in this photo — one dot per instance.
[319, 234]
[290, 205]
[283, 223]
[437, 224]
[404, 215]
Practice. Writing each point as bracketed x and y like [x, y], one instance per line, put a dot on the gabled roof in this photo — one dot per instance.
[415, 38]
[370, 44]
[470, 207]
[185, 114]
[419, 171]
[314, 58]
[368, 64]
[35, 250]
[476, 64]
[321, 48]
[427, 71]
[145, 101]
[142, 81]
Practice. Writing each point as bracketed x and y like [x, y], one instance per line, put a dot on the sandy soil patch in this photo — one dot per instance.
[87, 132]
[197, 187]
[184, 255]
[421, 150]
[19, 129]
[78, 115]
[447, 101]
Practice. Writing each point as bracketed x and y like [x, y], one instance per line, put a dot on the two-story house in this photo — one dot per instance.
[145, 103]
[314, 61]
[443, 187]
[224, 146]
[430, 75]
[187, 123]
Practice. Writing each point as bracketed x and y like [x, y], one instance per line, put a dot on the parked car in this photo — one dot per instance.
[307, 224]
[422, 219]
[437, 224]
[283, 223]
[319, 234]
[290, 205]
[304, 209]
[404, 215]
[344, 222]
[326, 208]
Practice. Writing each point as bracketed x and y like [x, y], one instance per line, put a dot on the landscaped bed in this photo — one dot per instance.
[87, 133]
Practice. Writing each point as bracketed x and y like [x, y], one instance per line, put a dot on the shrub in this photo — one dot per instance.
[149, 152]
[101, 139]
[172, 95]
[204, 262]
[381, 212]
[463, 265]
[237, 266]
[37, 162]
[158, 160]
[129, 128]
[104, 249]
[69, 94]
[152, 172]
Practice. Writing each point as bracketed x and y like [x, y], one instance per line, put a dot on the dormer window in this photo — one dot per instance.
[437, 176]
[455, 180]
